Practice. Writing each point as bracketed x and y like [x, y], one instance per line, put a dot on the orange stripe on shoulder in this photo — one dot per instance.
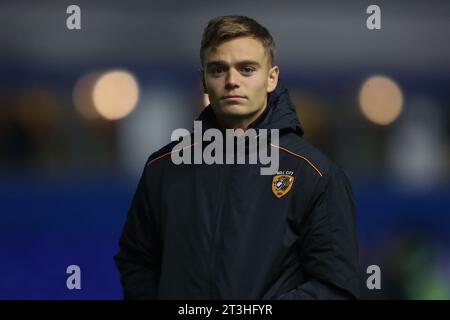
[299, 156]
[168, 153]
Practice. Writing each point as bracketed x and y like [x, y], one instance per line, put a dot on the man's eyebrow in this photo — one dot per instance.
[223, 63]
[216, 63]
[249, 62]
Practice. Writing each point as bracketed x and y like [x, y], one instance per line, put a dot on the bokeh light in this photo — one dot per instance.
[381, 100]
[82, 96]
[115, 94]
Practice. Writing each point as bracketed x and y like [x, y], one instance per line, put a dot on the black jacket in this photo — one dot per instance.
[220, 232]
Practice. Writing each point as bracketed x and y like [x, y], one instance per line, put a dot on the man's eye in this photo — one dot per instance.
[248, 70]
[217, 70]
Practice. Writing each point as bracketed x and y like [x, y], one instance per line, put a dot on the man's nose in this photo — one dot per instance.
[232, 79]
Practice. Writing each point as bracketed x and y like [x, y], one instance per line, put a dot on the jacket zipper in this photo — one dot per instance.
[218, 217]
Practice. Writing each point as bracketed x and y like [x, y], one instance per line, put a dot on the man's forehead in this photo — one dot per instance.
[238, 49]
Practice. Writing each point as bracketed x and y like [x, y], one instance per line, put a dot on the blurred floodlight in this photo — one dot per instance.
[416, 149]
[149, 128]
[381, 100]
[115, 94]
[82, 96]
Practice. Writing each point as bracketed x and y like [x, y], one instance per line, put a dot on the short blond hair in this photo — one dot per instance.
[225, 28]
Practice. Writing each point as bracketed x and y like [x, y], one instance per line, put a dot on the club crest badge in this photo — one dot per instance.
[282, 184]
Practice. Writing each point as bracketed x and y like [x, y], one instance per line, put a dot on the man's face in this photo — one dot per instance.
[237, 78]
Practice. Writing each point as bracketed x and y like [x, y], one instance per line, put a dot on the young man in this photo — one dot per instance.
[224, 231]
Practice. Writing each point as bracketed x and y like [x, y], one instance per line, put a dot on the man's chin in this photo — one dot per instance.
[235, 111]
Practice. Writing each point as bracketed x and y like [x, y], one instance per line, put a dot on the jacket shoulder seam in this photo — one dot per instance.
[299, 156]
[166, 154]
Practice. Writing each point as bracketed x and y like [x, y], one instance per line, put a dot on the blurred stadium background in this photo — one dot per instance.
[81, 110]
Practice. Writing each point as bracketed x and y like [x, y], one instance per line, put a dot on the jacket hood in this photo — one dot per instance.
[279, 114]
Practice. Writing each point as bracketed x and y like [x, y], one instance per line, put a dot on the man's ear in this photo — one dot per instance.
[202, 81]
[274, 72]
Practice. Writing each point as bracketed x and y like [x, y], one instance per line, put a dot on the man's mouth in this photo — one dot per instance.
[233, 97]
